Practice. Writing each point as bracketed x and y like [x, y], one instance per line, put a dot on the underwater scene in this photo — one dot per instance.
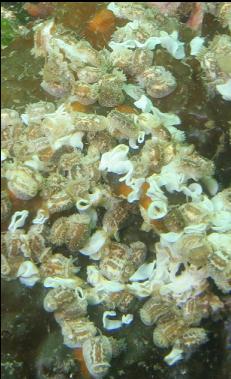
[116, 190]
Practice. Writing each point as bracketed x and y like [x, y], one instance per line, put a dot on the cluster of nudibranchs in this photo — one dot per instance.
[90, 176]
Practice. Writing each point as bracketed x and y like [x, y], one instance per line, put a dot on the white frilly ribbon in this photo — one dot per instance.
[167, 119]
[35, 163]
[4, 154]
[25, 118]
[225, 90]
[28, 273]
[194, 190]
[113, 7]
[83, 205]
[171, 43]
[144, 272]
[110, 324]
[196, 45]
[73, 140]
[18, 220]
[134, 91]
[94, 245]
[97, 280]
[116, 161]
[140, 290]
[157, 209]
[174, 356]
[79, 293]
[135, 185]
[41, 217]
[55, 281]
[93, 199]
[168, 41]
[144, 103]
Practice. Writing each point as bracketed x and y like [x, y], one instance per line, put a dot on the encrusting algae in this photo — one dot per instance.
[95, 173]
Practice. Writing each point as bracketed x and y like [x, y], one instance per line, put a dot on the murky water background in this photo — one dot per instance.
[31, 340]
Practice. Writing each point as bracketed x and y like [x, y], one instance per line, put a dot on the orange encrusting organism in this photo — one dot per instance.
[16, 203]
[102, 22]
[40, 10]
[121, 189]
[196, 18]
[46, 154]
[145, 200]
[126, 109]
[159, 226]
[78, 354]
[32, 204]
[77, 107]
[145, 186]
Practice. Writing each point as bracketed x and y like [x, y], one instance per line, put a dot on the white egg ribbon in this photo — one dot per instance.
[110, 324]
[18, 220]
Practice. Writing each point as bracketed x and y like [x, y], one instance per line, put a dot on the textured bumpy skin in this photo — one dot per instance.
[121, 261]
[158, 82]
[24, 182]
[97, 353]
[76, 332]
[152, 310]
